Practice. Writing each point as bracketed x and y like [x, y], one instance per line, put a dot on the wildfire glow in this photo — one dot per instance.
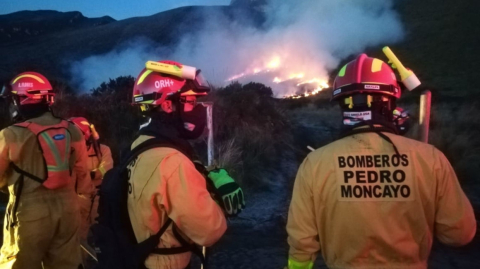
[275, 63]
[297, 81]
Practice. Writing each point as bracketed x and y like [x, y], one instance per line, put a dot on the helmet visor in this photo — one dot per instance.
[201, 84]
[4, 92]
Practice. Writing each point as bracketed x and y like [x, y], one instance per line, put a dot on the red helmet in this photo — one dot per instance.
[401, 119]
[30, 88]
[83, 125]
[153, 88]
[366, 75]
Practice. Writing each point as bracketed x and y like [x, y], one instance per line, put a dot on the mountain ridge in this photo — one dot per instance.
[440, 47]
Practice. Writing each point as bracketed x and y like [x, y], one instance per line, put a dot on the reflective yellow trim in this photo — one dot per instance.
[29, 76]
[342, 71]
[143, 76]
[292, 264]
[14, 92]
[102, 169]
[191, 92]
[376, 65]
[349, 102]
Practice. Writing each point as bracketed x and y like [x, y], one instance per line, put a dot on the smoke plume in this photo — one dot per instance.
[299, 42]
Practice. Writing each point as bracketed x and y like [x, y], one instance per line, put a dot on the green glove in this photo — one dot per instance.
[230, 193]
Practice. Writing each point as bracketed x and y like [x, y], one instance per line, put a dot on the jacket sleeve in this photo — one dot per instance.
[190, 206]
[4, 160]
[301, 226]
[83, 180]
[107, 160]
[455, 223]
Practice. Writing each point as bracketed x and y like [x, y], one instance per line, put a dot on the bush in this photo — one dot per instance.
[109, 108]
[252, 132]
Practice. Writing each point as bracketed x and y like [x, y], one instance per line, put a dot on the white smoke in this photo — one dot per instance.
[308, 37]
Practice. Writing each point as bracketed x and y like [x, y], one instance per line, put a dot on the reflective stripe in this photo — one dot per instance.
[29, 76]
[143, 76]
[376, 65]
[102, 169]
[342, 71]
[67, 147]
[61, 165]
[292, 264]
[52, 147]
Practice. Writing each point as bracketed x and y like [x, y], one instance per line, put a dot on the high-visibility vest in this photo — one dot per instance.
[55, 145]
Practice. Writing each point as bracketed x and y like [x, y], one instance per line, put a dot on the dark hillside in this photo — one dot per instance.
[51, 52]
[440, 44]
[26, 25]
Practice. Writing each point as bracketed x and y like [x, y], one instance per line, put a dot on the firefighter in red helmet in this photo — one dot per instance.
[37, 155]
[98, 163]
[167, 188]
[373, 198]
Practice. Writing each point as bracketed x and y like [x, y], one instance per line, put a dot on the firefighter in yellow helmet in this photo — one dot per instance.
[374, 199]
[36, 157]
[99, 162]
[164, 183]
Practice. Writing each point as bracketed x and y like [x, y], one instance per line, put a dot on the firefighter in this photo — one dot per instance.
[401, 119]
[374, 199]
[36, 157]
[99, 162]
[164, 183]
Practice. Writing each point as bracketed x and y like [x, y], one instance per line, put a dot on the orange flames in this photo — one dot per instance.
[302, 82]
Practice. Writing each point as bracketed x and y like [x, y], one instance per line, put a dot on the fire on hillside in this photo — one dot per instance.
[299, 82]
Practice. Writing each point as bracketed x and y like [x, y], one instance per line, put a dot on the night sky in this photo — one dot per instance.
[117, 9]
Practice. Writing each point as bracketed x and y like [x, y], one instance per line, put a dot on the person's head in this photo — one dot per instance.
[401, 119]
[366, 90]
[29, 94]
[84, 126]
[172, 98]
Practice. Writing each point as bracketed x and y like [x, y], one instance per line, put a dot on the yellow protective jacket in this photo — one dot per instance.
[20, 146]
[97, 166]
[364, 207]
[165, 184]
[47, 229]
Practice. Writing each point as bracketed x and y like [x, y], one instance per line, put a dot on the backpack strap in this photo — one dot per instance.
[18, 194]
[155, 239]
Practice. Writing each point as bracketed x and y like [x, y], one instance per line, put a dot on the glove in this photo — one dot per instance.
[230, 194]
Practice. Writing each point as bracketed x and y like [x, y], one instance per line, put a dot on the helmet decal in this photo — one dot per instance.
[37, 78]
[342, 71]
[366, 75]
[160, 81]
[143, 76]
[376, 65]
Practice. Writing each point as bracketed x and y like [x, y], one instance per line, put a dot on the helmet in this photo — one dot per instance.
[401, 119]
[29, 88]
[83, 125]
[366, 75]
[152, 88]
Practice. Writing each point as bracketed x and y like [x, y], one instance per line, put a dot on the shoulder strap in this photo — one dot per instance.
[150, 144]
[25, 173]
[22, 124]
[154, 239]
